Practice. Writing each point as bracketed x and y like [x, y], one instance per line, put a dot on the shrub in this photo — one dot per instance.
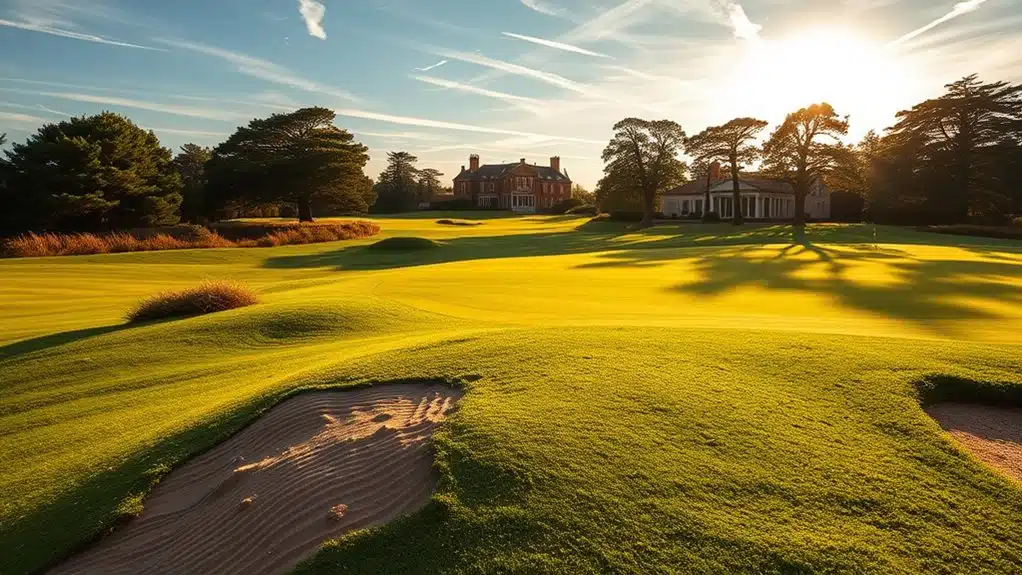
[584, 210]
[404, 244]
[446, 222]
[1002, 232]
[626, 216]
[207, 297]
[565, 206]
[179, 238]
[711, 217]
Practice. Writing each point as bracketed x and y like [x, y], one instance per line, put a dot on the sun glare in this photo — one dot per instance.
[858, 77]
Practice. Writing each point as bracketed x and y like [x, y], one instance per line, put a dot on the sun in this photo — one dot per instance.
[859, 77]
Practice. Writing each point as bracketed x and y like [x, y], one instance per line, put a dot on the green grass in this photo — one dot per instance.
[690, 398]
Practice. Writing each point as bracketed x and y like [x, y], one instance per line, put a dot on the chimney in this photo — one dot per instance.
[715, 171]
[473, 162]
[555, 163]
[522, 160]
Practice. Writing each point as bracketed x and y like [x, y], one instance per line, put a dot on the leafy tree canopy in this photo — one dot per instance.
[804, 148]
[90, 173]
[642, 159]
[730, 143]
[289, 158]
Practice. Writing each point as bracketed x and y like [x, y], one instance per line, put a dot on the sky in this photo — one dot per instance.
[506, 79]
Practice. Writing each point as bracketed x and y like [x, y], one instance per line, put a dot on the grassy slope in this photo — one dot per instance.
[616, 424]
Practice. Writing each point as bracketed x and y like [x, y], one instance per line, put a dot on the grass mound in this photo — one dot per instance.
[183, 238]
[448, 222]
[404, 244]
[207, 297]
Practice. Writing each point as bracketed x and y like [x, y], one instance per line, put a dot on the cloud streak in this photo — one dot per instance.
[958, 10]
[555, 45]
[433, 67]
[192, 112]
[442, 125]
[514, 99]
[312, 13]
[541, 7]
[263, 69]
[508, 67]
[44, 29]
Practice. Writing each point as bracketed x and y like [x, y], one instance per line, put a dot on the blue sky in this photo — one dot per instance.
[503, 78]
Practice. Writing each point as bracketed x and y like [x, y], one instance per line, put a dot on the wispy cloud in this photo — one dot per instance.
[508, 67]
[24, 118]
[958, 10]
[187, 132]
[442, 125]
[404, 136]
[44, 29]
[740, 23]
[189, 111]
[515, 99]
[313, 12]
[556, 45]
[433, 67]
[36, 108]
[262, 69]
[541, 7]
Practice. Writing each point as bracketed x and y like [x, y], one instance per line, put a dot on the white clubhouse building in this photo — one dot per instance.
[761, 198]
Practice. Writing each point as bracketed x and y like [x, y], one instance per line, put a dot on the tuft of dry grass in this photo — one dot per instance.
[50, 244]
[207, 297]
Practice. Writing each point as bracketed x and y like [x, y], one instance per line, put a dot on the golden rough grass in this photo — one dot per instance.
[208, 297]
[51, 244]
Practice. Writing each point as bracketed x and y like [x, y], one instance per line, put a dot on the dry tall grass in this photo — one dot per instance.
[207, 297]
[49, 244]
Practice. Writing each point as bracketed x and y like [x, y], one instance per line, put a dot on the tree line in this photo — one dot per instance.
[103, 172]
[951, 159]
[955, 158]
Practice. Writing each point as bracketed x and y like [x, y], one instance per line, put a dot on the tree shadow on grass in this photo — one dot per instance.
[590, 237]
[918, 290]
[52, 340]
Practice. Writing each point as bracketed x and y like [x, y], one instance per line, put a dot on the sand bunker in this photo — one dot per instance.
[314, 467]
[992, 434]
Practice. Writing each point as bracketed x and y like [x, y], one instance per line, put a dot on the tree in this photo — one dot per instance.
[804, 148]
[90, 173]
[429, 185]
[728, 143]
[965, 133]
[583, 195]
[190, 164]
[295, 158]
[397, 185]
[643, 156]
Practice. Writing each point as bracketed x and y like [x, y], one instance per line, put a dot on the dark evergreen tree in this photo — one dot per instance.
[397, 185]
[295, 158]
[190, 164]
[90, 173]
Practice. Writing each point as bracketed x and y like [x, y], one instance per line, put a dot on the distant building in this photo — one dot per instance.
[762, 198]
[519, 186]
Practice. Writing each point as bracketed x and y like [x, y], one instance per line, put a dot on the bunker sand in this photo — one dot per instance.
[311, 469]
[992, 434]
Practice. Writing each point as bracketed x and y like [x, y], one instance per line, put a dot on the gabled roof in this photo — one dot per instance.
[746, 184]
[496, 171]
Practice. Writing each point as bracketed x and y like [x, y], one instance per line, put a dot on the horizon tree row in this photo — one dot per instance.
[952, 159]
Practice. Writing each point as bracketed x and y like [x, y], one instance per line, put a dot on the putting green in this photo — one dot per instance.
[688, 398]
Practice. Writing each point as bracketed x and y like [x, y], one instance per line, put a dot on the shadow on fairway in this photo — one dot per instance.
[52, 340]
[590, 237]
